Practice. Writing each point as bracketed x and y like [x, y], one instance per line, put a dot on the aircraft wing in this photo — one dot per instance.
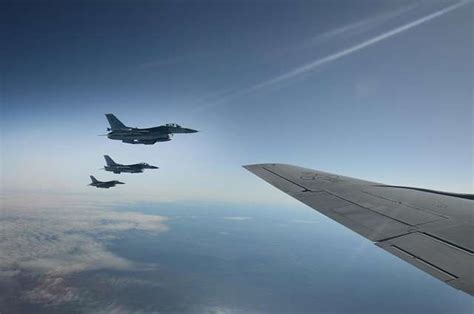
[431, 230]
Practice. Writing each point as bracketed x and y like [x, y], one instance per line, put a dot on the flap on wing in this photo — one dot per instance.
[366, 222]
[396, 210]
[446, 262]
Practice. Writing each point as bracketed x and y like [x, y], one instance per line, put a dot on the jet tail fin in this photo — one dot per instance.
[115, 123]
[109, 160]
[94, 180]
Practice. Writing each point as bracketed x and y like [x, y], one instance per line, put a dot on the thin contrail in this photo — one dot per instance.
[314, 64]
[306, 68]
[359, 26]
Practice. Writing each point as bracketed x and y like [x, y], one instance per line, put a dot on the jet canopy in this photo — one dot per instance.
[173, 125]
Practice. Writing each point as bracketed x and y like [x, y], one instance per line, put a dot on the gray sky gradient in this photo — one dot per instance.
[398, 111]
[309, 67]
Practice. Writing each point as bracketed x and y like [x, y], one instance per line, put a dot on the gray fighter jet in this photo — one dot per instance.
[147, 136]
[104, 184]
[431, 230]
[118, 168]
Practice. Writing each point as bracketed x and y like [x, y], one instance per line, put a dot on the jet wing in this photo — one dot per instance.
[431, 230]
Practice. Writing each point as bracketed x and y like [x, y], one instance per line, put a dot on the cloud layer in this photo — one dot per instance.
[54, 242]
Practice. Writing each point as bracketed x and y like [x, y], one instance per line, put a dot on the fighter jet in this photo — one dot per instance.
[104, 184]
[147, 136]
[118, 168]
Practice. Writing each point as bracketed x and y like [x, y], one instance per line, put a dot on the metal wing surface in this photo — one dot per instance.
[431, 230]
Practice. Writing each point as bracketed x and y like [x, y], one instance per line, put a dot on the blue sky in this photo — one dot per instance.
[393, 102]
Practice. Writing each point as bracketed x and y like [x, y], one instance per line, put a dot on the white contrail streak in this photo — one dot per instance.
[309, 67]
[315, 64]
[359, 26]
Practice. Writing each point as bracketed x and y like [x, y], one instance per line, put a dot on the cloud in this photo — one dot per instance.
[223, 310]
[53, 291]
[302, 221]
[120, 309]
[312, 66]
[49, 243]
[62, 242]
[238, 218]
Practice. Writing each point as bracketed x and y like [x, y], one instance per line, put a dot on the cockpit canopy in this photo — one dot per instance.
[173, 125]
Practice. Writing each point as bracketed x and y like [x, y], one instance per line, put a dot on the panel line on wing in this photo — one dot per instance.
[453, 245]
[408, 205]
[425, 262]
[396, 236]
[458, 195]
[305, 189]
[374, 211]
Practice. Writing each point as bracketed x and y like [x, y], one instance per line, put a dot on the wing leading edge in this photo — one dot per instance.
[431, 230]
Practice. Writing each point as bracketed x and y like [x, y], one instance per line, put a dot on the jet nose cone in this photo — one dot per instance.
[191, 131]
[153, 167]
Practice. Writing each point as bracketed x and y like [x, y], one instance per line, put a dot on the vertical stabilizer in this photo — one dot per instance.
[109, 160]
[115, 123]
[94, 180]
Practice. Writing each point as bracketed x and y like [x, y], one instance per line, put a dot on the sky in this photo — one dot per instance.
[379, 90]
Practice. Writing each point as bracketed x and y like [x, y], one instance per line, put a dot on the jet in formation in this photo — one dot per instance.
[104, 184]
[429, 229]
[114, 167]
[147, 136]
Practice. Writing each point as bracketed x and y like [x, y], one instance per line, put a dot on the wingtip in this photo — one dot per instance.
[270, 164]
[250, 166]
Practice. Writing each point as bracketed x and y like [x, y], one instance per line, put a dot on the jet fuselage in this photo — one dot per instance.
[147, 136]
[135, 168]
[105, 184]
